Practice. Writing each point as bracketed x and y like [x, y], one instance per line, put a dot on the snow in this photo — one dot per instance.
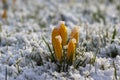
[27, 21]
[59, 38]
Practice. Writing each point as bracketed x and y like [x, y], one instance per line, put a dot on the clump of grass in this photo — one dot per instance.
[35, 56]
[17, 66]
[114, 52]
[98, 16]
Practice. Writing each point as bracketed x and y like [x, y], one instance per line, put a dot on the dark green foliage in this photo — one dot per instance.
[35, 56]
[113, 35]
[118, 7]
[113, 53]
[98, 16]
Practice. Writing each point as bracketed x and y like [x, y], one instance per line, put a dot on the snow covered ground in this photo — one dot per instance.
[28, 20]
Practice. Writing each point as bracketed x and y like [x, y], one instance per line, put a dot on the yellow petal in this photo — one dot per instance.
[71, 49]
[55, 33]
[58, 48]
[4, 15]
[56, 42]
[75, 33]
[63, 33]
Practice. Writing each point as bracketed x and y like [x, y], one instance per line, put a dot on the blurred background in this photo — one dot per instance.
[73, 12]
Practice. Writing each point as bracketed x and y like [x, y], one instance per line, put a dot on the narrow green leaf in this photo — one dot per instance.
[115, 71]
[114, 34]
[52, 55]
[18, 61]
[80, 63]
[6, 73]
[95, 55]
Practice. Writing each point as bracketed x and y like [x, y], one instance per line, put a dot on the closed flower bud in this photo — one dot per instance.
[4, 15]
[71, 50]
[55, 33]
[75, 34]
[63, 33]
[58, 47]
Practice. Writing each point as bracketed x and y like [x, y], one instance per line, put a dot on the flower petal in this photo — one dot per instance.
[55, 33]
[71, 49]
[63, 33]
[75, 33]
[58, 48]
[4, 15]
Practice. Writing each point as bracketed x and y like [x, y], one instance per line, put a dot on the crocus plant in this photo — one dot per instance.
[60, 40]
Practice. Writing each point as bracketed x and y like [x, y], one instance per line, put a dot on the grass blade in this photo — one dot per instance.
[115, 71]
[52, 55]
[113, 35]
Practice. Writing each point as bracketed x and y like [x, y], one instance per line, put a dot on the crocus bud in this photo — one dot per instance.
[55, 33]
[58, 47]
[75, 33]
[71, 50]
[63, 33]
[4, 14]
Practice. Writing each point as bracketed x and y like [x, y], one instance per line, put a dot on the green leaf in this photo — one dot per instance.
[114, 34]
[80, 62]
[115, 71]
[95, 55]
[52, 55]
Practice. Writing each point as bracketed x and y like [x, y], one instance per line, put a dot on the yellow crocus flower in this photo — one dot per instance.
[57, 43]
[55, 33]
[58, 47]
[75, 33]
[63, 33]
[4, 15]
[71, 50]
